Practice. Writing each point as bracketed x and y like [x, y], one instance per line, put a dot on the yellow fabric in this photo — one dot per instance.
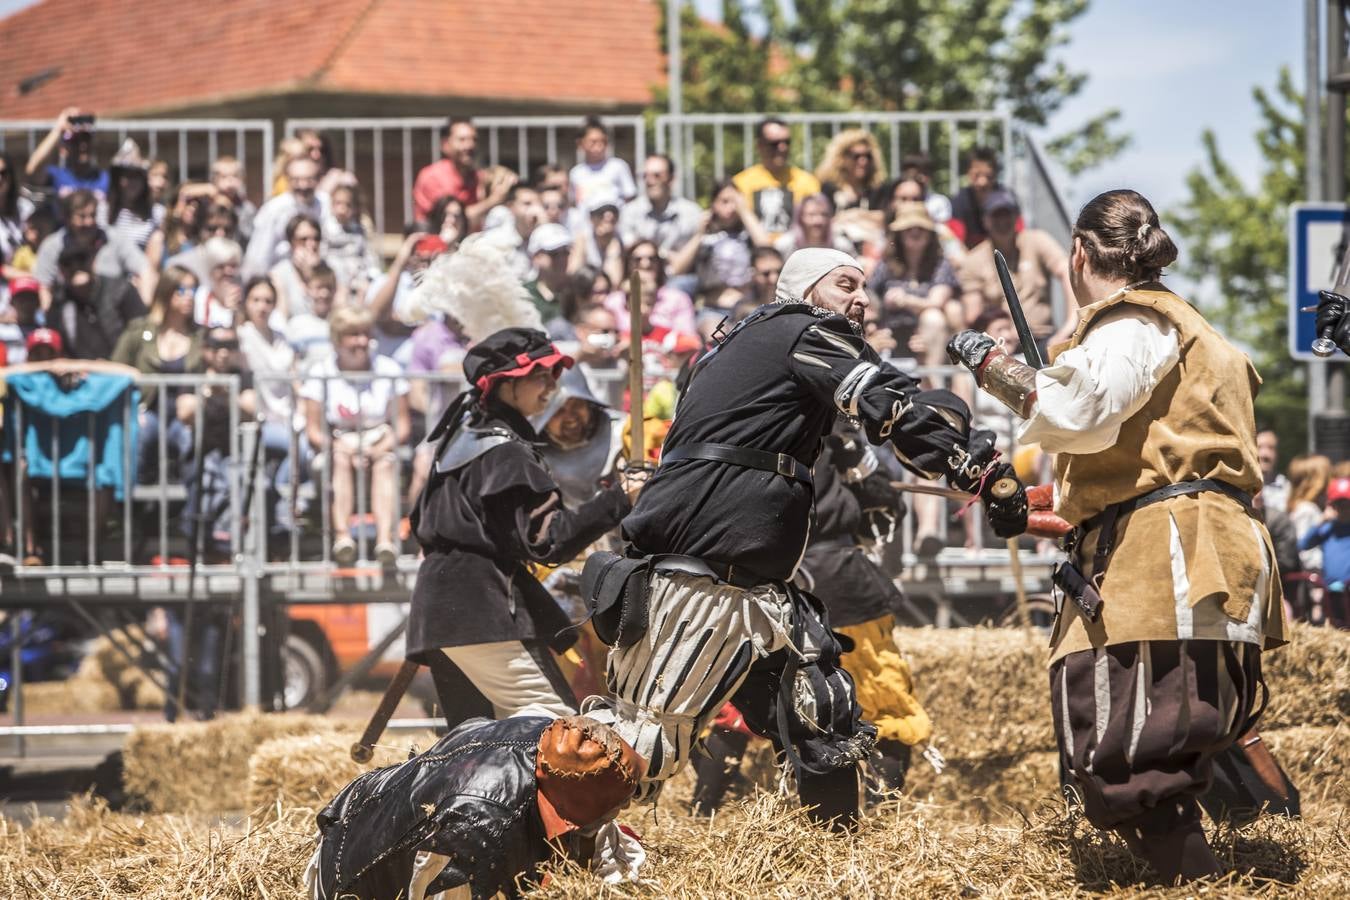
[1198, 423]
[767, 195]
[884, 683]
[24, 259]
[653, 436]
[659, 403]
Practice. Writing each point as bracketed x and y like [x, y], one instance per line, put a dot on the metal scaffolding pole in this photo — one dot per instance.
[674, 58]
[1335, 159]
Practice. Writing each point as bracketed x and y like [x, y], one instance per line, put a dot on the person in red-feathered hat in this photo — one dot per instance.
[479, 619]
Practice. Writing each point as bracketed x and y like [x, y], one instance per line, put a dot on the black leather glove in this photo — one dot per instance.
[1003, 494]
[1006, 509]
[1332, 309]
[969, 348]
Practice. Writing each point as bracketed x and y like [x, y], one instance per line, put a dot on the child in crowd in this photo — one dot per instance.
[598, 171]
[347, 247]
[309, 333]
[21, 316]
[41, 224]
[1332, 534]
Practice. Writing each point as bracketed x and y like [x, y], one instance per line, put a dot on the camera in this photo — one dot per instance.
[82, 122]
[602, 340]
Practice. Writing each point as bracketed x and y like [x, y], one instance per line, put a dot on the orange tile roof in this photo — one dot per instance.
[577, 50]
[137, 56]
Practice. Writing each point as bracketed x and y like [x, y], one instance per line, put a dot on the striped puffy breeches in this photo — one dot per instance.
[1139, 724]
[701, 640]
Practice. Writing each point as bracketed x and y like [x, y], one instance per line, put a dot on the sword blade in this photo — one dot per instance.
[933, 490]
[1030, 352]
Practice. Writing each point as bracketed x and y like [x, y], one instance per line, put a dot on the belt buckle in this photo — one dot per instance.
[785, 465]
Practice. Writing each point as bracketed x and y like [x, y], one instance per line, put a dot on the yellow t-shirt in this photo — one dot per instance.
[773, 199]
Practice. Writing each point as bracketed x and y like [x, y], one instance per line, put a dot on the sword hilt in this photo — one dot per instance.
[1004, 488]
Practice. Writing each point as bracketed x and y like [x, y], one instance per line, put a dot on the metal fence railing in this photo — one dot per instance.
[387, 154]
[190, 146]
[714, 146]
[167, 426]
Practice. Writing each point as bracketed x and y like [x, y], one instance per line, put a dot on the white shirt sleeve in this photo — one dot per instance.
[1089, 391]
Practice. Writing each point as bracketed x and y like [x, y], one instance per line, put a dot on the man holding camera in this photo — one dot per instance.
[73, 133]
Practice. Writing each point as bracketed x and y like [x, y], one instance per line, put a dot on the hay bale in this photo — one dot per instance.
[1309, 679]
[203, 766]
[988, 693]
[308, 770]
[92, 852]
[76, 694]
[134, 688]
[986, 689]
[104, 682]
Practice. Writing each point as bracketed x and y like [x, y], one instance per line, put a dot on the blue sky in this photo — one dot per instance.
[1174, 68]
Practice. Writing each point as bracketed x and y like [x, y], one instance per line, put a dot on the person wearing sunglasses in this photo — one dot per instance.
[773, 186]
[852, 173]
[165, 341]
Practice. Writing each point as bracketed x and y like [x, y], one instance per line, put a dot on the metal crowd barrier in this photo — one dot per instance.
[387, 153]
[191, 146]
[717, 145]
[142, 540]
[376, 149]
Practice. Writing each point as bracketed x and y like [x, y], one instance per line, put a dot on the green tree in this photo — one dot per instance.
[914, 55]
[1236, 241]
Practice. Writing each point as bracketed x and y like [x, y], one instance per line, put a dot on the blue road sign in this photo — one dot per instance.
[1314, 233]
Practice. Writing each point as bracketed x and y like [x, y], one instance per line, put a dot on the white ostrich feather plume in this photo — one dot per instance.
[475, 287]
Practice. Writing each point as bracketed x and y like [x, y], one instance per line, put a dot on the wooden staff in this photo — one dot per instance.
[1004, 487]
[637, 454]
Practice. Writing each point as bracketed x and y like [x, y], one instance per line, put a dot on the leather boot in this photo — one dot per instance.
[831, 799]
[719, 770]
[1178, 850]
[886, 770]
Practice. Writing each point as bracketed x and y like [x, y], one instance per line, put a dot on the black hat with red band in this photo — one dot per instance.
[511, 353]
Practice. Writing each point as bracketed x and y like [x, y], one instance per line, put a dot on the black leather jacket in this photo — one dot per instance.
[471, 797]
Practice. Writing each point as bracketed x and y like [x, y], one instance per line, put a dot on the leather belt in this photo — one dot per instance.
[779, 463]
[1167, 492]
[736, 576]
[1108, 517]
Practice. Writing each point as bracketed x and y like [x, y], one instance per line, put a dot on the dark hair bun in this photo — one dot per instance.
[1123, 238]
[1154, 249]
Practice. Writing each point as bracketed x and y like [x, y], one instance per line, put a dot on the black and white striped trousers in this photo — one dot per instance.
[701, 641]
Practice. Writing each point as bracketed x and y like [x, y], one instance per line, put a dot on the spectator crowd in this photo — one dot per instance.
[128, 263]
[1307, 509]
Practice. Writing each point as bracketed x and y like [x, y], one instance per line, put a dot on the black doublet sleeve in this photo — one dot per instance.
[929, 430]
[524, 512]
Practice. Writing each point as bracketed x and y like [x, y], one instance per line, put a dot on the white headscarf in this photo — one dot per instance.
[804, 268]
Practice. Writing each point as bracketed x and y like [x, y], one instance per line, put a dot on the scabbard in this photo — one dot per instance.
[1263, 764]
